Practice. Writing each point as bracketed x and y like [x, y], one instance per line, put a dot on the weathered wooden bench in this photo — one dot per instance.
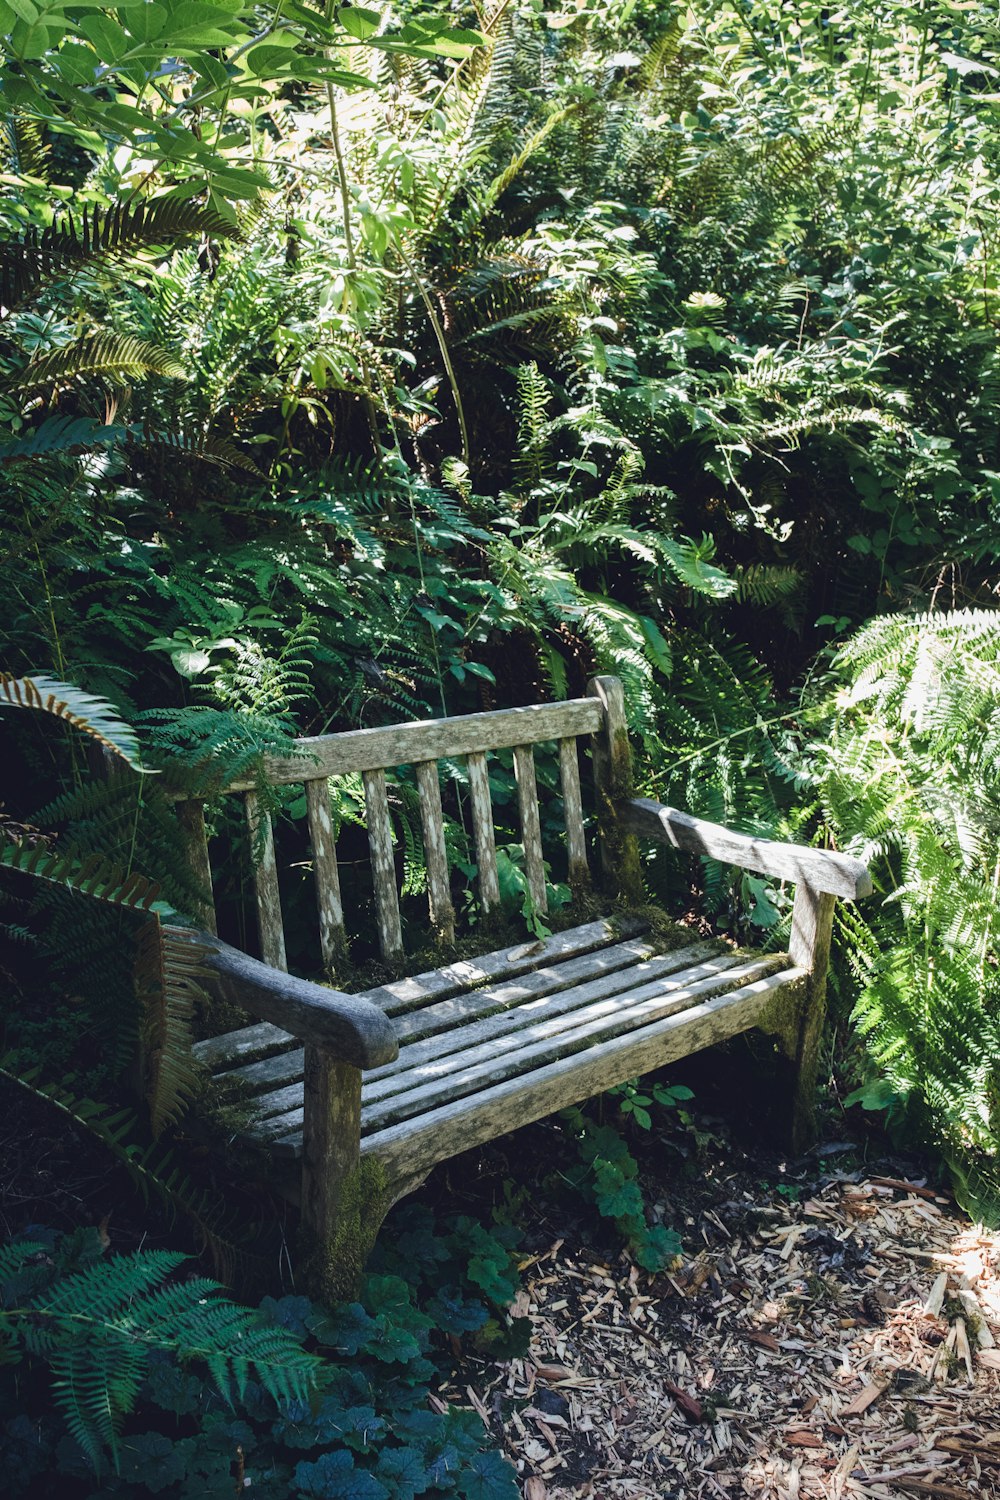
[369, 1091]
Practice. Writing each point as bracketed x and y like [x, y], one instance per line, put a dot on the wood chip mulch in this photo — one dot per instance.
[844, 1346]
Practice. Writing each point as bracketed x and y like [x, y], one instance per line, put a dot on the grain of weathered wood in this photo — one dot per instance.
[612, 757]
[442, 913]
[514, 1027]
[270, 929]
[430, 739]
[835, 874]
[330, 1158]
[520, 958]
[482, 831]
[417, 1145]
[236, 1047]
[348, 1026]
[447, 1021]
[576, 843]
[326, 875]
[449, 1017]
[556, 1036]
[191, 817]
[380, 842]
[531, 832]
[809, 945]
[502, 1010]
[485, 1065]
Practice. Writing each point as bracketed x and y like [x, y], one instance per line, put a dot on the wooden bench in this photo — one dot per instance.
[468, 1051]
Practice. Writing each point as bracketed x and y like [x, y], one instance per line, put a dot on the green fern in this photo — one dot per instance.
[92, 715]
[117, 355]
[96, 1327]
[99, 235]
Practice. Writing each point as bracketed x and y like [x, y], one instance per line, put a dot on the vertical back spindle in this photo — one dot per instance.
[191, 817]
[482, 829]
[531, 833]
[390, 932]
[442, 913]
[265, 880]
[613, 779]
[576, 843]
[330, 908]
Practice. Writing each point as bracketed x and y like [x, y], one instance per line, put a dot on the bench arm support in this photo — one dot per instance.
[346, 1027]
[821, 869]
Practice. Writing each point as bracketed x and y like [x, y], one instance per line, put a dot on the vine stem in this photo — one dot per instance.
[442, 344]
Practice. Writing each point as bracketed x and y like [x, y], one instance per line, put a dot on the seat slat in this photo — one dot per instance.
[326, 876]
[470, 1008]
[415, 1146]
[576, 843]
[482, 829]
[531, 832]
[442, 913]
[390, 932]
[446, 1054]
[438, 984]
[259, 1040]
[558, 1036]
[563, 1039]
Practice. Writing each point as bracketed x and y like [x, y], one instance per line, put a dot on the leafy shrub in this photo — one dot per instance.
[317, 1404]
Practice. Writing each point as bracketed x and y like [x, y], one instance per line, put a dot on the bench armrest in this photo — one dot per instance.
[836, 874]
[351, 1029]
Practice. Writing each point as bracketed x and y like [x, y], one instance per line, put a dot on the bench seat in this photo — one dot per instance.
[502, 1040]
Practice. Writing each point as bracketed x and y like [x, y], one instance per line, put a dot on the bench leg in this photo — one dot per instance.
[345, 1197]
[809, 947]
[336, 1192]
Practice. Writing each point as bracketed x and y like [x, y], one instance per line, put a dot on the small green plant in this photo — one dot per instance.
[95, 1323]
[608, 1178]
[634, 1103]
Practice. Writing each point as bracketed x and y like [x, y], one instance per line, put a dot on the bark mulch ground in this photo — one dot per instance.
[837, 1338]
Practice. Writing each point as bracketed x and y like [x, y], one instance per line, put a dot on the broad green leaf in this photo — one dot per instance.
[108, 39]
[357, 22]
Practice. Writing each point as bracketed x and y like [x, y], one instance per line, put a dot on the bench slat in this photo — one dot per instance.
[466, 1010]
[576, 843]
[326, 876]
[390, 932]
[482, 828]
[442, 913]
[401, 995]
[531, 832]
[429, 739]
[270, 928]
[417, 1145]
[559, 1036]
[443, 1056]
[554, 1075]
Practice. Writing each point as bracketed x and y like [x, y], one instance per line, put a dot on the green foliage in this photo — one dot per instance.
[321, 1402]
[908, 777]
[608, 1176]
[95, 1325]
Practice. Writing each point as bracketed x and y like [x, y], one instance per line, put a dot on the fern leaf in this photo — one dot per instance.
[71, 244]
[93, 716]
[113, 354]
[60, 434]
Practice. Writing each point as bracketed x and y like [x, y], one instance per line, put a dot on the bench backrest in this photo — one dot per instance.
[421, 744]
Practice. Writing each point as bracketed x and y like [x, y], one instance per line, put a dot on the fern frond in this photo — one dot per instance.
[113, 354]
[84, 711]
[71, 244]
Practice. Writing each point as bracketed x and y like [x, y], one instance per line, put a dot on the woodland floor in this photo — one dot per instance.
[829, 1331]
